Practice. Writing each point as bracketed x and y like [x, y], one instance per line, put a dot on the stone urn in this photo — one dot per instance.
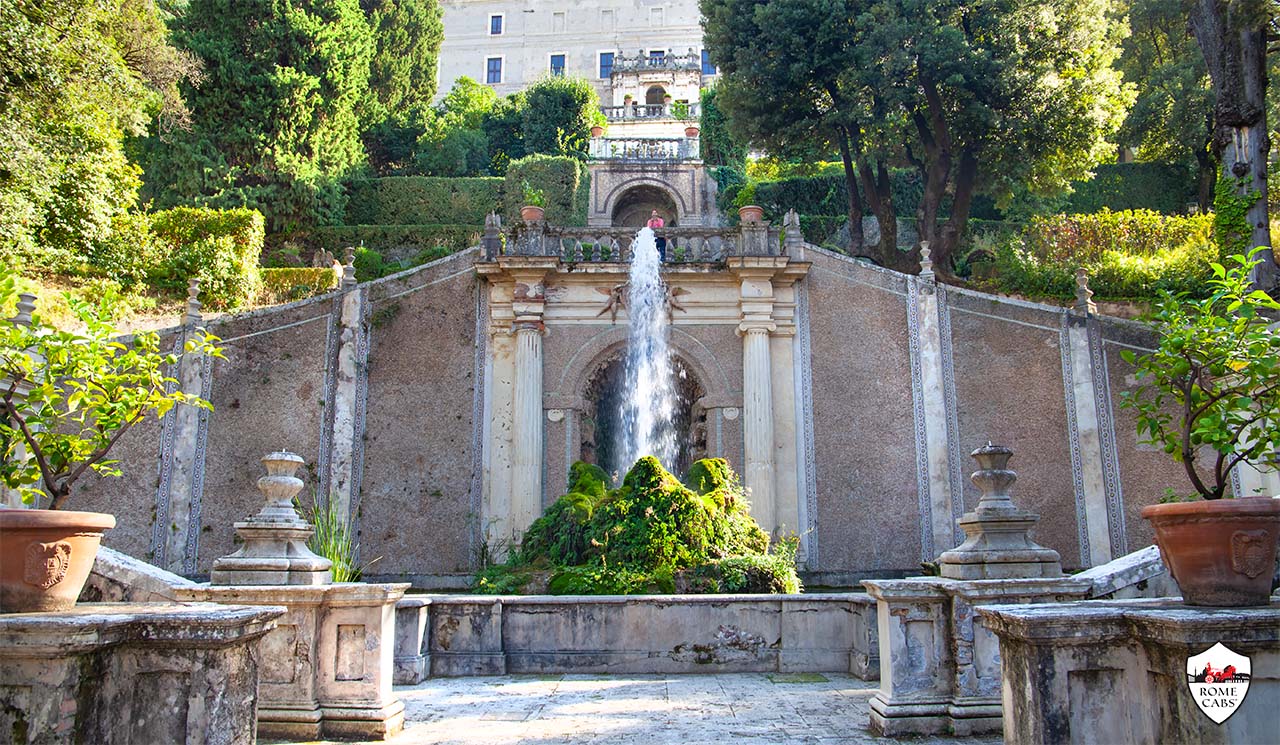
[532, 213]
[751, 213]
[691, 132]
[1221, 552]
[46, 557]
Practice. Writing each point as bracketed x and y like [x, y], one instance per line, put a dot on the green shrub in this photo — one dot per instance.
[651, 534]
[1134, 254]
[563, 181]
[390, 240]
[130, 254]
[828, 194]
[221, 247]
[421, 200]
[285, 285]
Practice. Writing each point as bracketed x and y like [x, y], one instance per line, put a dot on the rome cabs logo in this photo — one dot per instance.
[1218, 679]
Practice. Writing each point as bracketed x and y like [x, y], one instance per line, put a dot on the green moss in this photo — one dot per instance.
[651, 534]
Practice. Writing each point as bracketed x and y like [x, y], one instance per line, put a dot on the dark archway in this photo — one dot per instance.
[654, 96]
[605, 391]
[634, 206]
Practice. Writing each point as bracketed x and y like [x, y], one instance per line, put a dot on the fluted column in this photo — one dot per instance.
[527, 432]
[757, 424]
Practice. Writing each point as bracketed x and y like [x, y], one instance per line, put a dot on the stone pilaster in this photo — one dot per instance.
[940, 494]
[346, 423]
[26, 306]
[1091, 433]
[177, 531]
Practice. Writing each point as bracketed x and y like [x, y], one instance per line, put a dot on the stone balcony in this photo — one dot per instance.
[646, 149]
[652, 112]
[645, 63]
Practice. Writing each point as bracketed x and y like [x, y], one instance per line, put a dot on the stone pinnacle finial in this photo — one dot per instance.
[1084, 296]
[793, 238]
[193, 302]
[26, 306]
[926, 263]
[997, 542]
[349, 267]
[275, 540]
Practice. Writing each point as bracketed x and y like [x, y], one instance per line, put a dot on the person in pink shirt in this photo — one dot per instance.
[656, 223]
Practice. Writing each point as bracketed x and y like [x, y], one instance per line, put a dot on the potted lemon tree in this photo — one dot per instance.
[1209, 396]
[66, 398]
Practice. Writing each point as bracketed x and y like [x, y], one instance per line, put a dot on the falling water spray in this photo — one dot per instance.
[649, 405]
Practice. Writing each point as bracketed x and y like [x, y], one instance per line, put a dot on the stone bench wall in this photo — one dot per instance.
[485, 635]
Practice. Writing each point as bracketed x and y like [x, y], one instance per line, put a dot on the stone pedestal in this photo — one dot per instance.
[275, 540]
[1116, 671]
[327, 667]
[939, 671]
[412, 664]
[109, 673]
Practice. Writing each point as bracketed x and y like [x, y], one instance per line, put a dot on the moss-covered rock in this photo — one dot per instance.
[654, 533]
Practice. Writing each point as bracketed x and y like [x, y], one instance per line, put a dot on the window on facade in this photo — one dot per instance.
[607, 20]
[557, 64]
[657, 57]
[655, 17]
[707, 67]
[493, 70]
[557, 23]
[606, 64]
[495, 24]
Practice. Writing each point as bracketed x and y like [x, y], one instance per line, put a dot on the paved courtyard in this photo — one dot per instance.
[634, 709]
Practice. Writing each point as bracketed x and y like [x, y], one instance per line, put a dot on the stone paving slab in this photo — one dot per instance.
[754, 708]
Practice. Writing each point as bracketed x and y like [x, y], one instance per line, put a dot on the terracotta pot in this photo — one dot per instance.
[1221, 552]
[691, 132]
[751, 213]
[529, 213]
[46, 557]
[597, 131]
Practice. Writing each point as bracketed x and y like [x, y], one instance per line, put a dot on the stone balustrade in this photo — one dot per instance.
[649, 111]
[644, 62]
[684, 245]
[645, 149]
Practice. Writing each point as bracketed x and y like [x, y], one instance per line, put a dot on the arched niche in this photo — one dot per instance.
[633, 207]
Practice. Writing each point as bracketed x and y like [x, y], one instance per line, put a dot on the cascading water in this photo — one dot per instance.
[649, 403]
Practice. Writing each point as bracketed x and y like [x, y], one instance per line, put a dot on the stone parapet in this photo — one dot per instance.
[412, 663]
[1116, 671]
[486, 635]
[939, 671]
[327, 667]
[110, 673]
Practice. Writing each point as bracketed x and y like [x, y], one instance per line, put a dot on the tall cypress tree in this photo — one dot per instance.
[274, 123]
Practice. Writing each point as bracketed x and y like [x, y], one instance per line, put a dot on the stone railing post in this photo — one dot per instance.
[754, 239]
[177, 529]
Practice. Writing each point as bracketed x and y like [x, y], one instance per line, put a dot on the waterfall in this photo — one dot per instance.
[649, 405]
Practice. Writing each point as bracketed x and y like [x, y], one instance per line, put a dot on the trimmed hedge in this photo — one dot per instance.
[421, 200]
[390, 239]
[829, 194]
[221, 247]
[564, 182]
[1131, 254]
[1159, 187]
[296, 283]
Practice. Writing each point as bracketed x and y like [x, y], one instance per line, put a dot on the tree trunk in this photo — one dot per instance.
[1232, 39]
[949, 236]
[880, 200]
[856, 238]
